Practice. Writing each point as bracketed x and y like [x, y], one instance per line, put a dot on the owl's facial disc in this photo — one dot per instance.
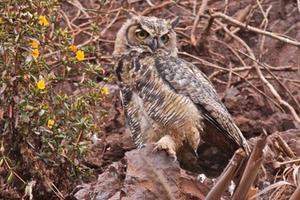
[146, 34]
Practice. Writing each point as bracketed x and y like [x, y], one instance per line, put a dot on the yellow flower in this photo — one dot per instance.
[80, 55]
[41, 84]
[35, 53]
[34, 44]
[104, 91]
[50, 123]
[73, 48]
[43, 20]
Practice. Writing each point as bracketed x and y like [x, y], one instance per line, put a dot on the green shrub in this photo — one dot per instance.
[49, 96]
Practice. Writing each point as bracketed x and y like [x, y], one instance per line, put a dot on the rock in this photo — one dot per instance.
[144, 174]
[106, 187]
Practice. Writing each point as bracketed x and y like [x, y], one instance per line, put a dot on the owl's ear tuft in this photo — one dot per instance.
[174, 22]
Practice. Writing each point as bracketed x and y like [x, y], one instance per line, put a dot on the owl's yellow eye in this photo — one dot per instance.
[165, 38]
[141, 34]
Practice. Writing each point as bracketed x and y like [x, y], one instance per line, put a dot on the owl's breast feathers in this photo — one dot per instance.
[153, 109]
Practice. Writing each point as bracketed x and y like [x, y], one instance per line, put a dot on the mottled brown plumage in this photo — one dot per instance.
[170, 102]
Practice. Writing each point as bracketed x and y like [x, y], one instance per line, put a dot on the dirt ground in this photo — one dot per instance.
[227, 62]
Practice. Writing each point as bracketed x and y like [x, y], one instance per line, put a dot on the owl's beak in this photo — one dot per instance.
[154, 44]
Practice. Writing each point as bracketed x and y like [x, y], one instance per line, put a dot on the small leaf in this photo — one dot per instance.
[25, 117]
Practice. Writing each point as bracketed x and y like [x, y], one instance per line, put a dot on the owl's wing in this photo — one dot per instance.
[136, 117]
[188, 80]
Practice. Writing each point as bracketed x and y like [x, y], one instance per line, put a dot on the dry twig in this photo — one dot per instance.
[251, 170]
[274, 92]
[296, 194]
[285, 146]
[227, 175]
[260, 74]
[199, 14]
[298, 3]
[254, 29]
[269, 188]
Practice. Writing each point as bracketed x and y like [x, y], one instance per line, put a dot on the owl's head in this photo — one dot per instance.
[146, 34]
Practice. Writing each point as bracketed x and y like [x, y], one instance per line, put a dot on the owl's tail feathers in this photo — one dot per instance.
[246, 148]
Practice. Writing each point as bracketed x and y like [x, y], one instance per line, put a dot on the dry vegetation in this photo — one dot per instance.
[61, 122]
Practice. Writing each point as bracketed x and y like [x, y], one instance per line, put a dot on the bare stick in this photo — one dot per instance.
[227, 175]
[229, 77]
[226, 6]
[298, 3]
[296, 194]
[241, 16]
[251, 170]
[260, 74]
[254, 29]
[200, 43]
[285, 146]
[199, 14]
[78, 5]
[281, 84]
[110, 24]
[151, 9]
[288, 162]
[233, 51]
[275, 93]
[265, 25]
[150, 3]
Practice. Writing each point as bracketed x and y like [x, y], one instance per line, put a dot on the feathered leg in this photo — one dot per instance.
[168, 144]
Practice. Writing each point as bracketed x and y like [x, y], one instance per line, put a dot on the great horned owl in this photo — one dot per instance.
[169, 101]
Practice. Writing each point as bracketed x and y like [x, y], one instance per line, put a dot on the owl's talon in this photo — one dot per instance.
[196, 153]
[155, 149]
[166, 143]
[174, 158]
